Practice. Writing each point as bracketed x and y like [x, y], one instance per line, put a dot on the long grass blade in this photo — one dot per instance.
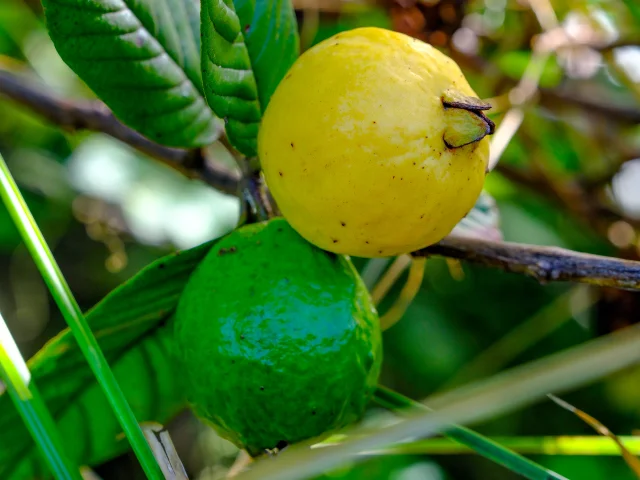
[570, 445]
[37, 246]
[523, 336]
[25, 396]
[631, 459]
[478, 443]
[500, 394]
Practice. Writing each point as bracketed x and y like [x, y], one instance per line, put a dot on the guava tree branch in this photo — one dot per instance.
[96, 116]
[542, 263]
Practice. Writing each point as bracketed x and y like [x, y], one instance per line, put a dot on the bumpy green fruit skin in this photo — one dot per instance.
[278, 341]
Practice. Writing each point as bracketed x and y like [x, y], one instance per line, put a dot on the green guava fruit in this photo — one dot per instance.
[277, 340]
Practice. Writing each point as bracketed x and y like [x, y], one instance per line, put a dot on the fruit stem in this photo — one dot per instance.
[257, 197]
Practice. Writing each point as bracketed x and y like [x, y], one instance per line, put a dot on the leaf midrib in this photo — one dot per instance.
[195, 83]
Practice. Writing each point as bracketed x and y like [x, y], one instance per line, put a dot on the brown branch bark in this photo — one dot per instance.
[542, 263]
[97, 117]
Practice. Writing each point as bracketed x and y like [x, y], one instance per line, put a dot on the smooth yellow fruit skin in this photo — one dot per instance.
[352, 148]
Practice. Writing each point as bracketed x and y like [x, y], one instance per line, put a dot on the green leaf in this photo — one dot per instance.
[142, 59]
[247, 49]
[133, 325]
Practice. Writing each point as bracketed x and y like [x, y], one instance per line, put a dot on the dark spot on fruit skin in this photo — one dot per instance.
[394, 177]
[343, 224]
[421, 216]
[225, 251]
[334, 240]
[241, 337]
[374, 122]
[367, 242]
[165, 319]
[292, 145]
[414, 163]
[379, 251]
[280, 173]
[313, 412]
[161, 266]
[262, 389]
[288, 76]
[280, 230]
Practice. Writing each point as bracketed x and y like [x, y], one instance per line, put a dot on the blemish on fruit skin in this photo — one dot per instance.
[225, 251]
[421, 216]
[334, 240]
[292, 145]
[161, 266]
[343, 224]
[241, 337]
[281, 174]
[262, 389]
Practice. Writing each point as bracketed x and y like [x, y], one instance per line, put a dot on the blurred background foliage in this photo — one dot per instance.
[564, 81]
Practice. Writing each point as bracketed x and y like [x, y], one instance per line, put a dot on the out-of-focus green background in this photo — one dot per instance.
[569, 177]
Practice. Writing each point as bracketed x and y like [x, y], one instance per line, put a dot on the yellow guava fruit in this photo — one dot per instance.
[374, 144]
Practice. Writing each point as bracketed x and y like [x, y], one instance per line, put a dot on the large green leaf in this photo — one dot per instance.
[133, 325]
[142, 57]
[247, 48]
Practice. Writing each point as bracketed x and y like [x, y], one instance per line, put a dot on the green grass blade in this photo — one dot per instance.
[504, 393]
[474, 441]
[133, 325]
[578, 445]
[70, 309]
[38, 420]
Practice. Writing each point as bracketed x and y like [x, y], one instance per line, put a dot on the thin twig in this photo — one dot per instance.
[96, 116]
[542, 263]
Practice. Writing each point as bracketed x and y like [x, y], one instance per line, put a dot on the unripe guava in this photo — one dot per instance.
[277, 340]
